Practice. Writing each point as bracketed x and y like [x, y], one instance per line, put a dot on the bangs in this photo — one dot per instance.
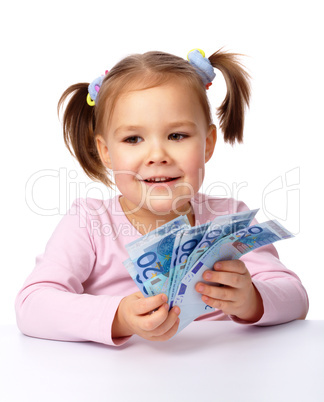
[113, 89]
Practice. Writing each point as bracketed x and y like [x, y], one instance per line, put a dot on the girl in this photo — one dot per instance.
[147, 122]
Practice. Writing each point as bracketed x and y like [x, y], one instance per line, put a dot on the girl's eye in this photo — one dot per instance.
[177, 136]
[133, 140]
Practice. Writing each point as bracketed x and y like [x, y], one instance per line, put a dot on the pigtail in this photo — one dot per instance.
[78, 129]
[231, 111]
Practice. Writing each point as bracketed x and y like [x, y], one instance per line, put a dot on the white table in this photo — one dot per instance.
[207, 361]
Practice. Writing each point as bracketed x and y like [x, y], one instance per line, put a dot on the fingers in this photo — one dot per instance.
[235, 296]
[168, 328]
[154, 320]
[224, 278]
[232, 275]
[224, 305]
[168, 334]
[228, 273]
[235, 266]
[220, 293]
[145, 305]
[157, 327]
[150, 322]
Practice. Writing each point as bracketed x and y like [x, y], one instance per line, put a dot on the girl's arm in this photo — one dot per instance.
[283, 295]
[52, 303]
[258, 288]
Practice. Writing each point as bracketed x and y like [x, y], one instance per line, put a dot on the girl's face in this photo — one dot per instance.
[157, 143]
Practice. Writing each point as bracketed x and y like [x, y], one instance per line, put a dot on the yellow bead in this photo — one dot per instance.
[90, 102]
[199, 50]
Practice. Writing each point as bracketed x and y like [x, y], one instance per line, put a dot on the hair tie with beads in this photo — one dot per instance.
[203, 66]
[93, 89]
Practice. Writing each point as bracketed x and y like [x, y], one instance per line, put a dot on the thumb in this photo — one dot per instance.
[148, 304]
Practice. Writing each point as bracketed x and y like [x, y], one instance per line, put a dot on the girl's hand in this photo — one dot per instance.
[238, 296]
[148, 317]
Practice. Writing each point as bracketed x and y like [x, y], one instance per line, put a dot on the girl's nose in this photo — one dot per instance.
[157, 155]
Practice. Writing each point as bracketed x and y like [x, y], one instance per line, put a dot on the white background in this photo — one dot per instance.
[47, 46]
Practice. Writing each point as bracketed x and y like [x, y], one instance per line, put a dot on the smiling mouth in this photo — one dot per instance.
[160, 179]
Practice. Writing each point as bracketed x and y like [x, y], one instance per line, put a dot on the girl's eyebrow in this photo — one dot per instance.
[185, 123]
[124, 129]
[173, 125]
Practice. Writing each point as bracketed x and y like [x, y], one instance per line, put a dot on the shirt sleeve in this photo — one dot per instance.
[51, 303]
[283, 295]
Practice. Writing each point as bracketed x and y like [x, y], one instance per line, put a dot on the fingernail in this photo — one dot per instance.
[201, 288]
[205, 299]
[218, 265]
[176, 310]
[164, 298]
[166, 306]
[207, 275]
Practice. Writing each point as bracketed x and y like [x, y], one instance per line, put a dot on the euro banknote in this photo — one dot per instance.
[230, 247]
[189, 244]
[151, 254]
[220, 227]
[216, 230]
[172, 258]
[185, 238]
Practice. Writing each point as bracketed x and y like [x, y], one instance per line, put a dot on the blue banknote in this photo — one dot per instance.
[160, 283]
[187, 243]
[230, 247]
[151, 254]
[172, 258]
[220, 227]
[128, 264]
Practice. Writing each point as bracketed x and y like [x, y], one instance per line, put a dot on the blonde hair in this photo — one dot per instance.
[81, 122]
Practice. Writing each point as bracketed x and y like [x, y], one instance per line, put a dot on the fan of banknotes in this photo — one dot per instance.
[172, 258]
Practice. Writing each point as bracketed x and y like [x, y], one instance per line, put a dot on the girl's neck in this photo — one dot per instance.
[145, 221]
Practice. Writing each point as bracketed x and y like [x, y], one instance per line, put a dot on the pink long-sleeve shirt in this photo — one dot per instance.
[77, 284]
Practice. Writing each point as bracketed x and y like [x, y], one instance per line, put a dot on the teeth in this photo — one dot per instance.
[158, 179]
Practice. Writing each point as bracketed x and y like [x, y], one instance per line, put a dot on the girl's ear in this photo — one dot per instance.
[210, 142]
[103, 151]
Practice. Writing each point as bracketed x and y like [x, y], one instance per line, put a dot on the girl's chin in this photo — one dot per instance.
[169, 207]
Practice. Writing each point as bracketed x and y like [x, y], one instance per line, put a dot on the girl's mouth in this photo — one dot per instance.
[160, 180]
